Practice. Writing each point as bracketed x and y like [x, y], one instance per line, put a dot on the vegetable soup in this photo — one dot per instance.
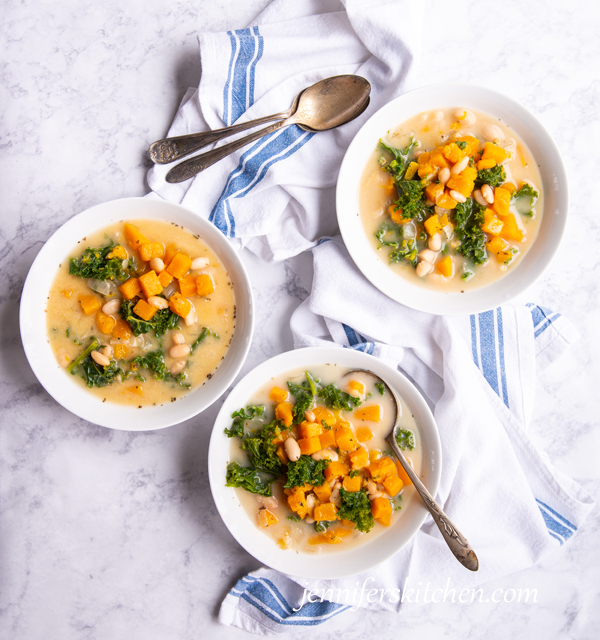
[451, 199]
[310, 463]
[141, 312]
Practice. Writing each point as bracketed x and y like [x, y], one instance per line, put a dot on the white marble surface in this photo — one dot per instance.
[110, 535]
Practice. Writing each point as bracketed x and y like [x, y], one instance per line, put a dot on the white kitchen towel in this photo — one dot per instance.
[276, 196]
[477, 373]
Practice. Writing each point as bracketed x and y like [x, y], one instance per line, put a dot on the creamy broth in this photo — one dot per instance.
[70, 330]
[299, 534]
[432, 130]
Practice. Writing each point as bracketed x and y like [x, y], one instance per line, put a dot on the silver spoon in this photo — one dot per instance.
[171, 149]
[324, 105]
[458, 544]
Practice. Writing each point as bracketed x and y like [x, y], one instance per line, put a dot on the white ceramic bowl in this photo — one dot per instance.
[339, 563]
[68, 391]
[554, 185]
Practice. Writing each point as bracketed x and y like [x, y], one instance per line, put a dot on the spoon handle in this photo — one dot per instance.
[170, 149]
[189, 168]
[458, 544]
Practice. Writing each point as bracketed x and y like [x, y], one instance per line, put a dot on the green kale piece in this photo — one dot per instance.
[262, 451]
[397, 166]
[240, 418]
[469, 216]
[164, 320]
[304, 393]
[380, 387]
[335, 398]
[405, 439]
[95, 263]
[402, 249]
[154, 362]
[461, 144]
[525, 199]
[295, 518]
[203, 334]
[306, 470]
[356, 506]
[321, 527]
[95, 375]
[494, 176]
[247, 478]
[411, 199]
[92, 346]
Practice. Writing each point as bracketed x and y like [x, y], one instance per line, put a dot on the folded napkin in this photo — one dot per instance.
[478, 374]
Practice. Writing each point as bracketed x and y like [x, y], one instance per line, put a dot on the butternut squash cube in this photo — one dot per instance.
[118, 252]
[205, 285]
[382, 468]
[278, 395]
[492, 150]
[187, 286]
[501, 201]
[454, 153]
[446, 267]
[364, 434]
[327, 512]
[335, 470]
[423, 158]
[179, 305]
[165, 278]
[496, 245]
[135, 238]
[151, 250]
[324, 415]
[352, 484]
[179, 265]
[491, 224]
[150, 284]
[488, 163]
[372, 413]
[323, 492]
[265, 518]
[472, 144]
[310, 430]
[283, 412]
[446, 202]
[359, 458]
[433, 191]
[425, 169]
[432, 224]
[511, 230]
[89, 304]
[130, 289]
[345, 439]
[437, 158]
[122, 331]
[396, 214]
[327, 439]
[120, 351]
[392, 485]
[308, 446]
[510, 187]
[461, 183]
[170, 253]
[297, 503]
[402, 474]
[356, 385]
[381, 508]
[144, 310]
[105, 323]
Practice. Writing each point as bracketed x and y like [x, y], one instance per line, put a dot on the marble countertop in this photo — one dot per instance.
[110, 535]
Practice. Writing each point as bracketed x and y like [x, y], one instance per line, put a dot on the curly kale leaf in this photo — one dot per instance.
[461, 144]
[247, 478]
[95, 263]
[154, 362]
[304, 393]
[494, 176]
[405, 439]
[525, 199]
[203, 334]
[335, 398]
[411, 200]
[356, 506]
[469, 216]
[306, 470]
[402, 248]
[164, 320]
[397, 165]
[262, 451]
[380, 387]
[96, 375]
[240, 418]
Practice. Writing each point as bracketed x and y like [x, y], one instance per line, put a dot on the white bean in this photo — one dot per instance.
[334, 498]
[180, 351]
[377, 494]
[465, 116]
[111, 307]
[325, 454]
[479, 199]
[292, 449]
[156, 264]
[106, 351]
[427, 255]
[309, 416]
[417, 154]
[199, 263]
[178, 338]
[444, 175]
[191, 317]
[487, 193]
[492, 132]
[371, 488]
[435, 242]
[423, 268]
[178, 367]
[460, 166]
[309, 520]
[456, 195]
[100, 358]
[311, 501]
[158, 302]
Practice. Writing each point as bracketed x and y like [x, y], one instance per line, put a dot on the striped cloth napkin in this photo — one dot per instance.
[478, 374]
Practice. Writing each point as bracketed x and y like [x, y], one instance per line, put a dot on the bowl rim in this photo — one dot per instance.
[532, 265]
[341, 563]
[73, 396]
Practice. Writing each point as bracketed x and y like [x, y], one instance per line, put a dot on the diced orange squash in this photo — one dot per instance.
[364, 434]
[323, 492]
[165, 278]
[433, 191]
[402, 474]
[511, 230]
[151, 250]
[179, 265]
[278, 395]
[501, 201]
[122, 331]
[389, 186]
[381, 508]
[333, 535]
[130, 289]
[423, 158]
[135, 238]
[411, 170]
[105, 323]
[352, 484]
[187, 286]
[324, 415]
[308, 446]
[179, 305]
[469, 173]
[120, 351]
[67, 293]
[432, 224]
[170, 253]
[305, 488]
[327, 439]
[454, 153]
[283, 412]
[510, 187]
[89, 304]
[374, 454]
[372, 413]
[472, 144]
[281, 454]
[461, 183]
[348, 523]
[359, 458]
[118, 252]
[297, 503]
[144, 310]
[345, 439]
[310, 429]
[488, 163]
[356, 385]
[437, 158]
[426, 169]
[396, 214]
[137, 389]
[505, 257]
[336, 469]
[281, 437]
[496, 245]
[492, 150]
[446, 267]
[446, 202]
[327, 511]
[150, 284]
[265, 518]
[392, 485]
[382, 468]
[444, 220]
[492, 224]
[204, 284]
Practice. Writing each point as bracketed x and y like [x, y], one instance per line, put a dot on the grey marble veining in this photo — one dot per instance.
[112, 535]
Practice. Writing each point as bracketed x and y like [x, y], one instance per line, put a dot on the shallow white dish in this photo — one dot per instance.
[339, 563]
[554, 185]
[68, 391]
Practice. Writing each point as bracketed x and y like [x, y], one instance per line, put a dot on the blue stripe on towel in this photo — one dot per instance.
[542, 318]
[262, 594]
[358, 342]
[558, 526]
[487, 346]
